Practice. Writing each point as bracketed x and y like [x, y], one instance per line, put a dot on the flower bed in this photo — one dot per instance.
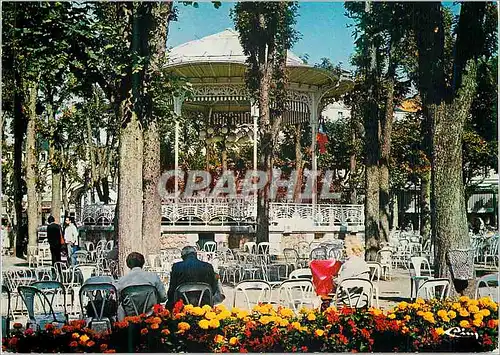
[418, 326]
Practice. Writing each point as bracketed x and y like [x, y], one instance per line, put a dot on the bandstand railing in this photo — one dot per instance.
[207, 211]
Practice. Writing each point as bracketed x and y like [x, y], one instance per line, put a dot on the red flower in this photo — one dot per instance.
[29, 331]
[487, 340]
[304, 349]
[49, 326]
[365, 333]
[179, 305]
[17, 325]
[103, 347]
[343, 339]
[243, 350]
[73, 344]
[158, 308]
[13, 342]
[491, 324]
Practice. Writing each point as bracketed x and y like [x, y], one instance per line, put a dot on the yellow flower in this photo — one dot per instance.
[221, 308]
[464, 324]
[183, 326]
[264, 320]
[403, 305]
[456, 305]
[242, 314]
[429, 317]
[420, 313]
[304, 310]
[283, 322]
[214, 323]
[296, 325]
[210, 315]
[464, 299]
[473, 309]
[407, 317]
[319, 332]
[478, 316]
[391, 316]
[442, 313]
[473, 302]
[463, 313]
[452, 314]
[477, 322]
[420, 301]
[376, 312]
[446, 319]
[286, 312]
[206, 308]
[439, 331]
[203, 324]
[235, 310]
[84, 338]
[233, 341]
[219, 338]
[197, 311]
[223, 315]
[188, 307]
[485, 312]
[311, 317]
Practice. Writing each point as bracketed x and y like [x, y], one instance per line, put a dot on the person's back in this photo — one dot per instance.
[190, 269]
[137, 276]
[54, 234]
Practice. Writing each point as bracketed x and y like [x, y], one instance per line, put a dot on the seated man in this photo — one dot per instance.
[190, 269]
[137, 276]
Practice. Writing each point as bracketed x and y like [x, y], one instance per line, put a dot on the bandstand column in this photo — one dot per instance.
[314, 131]
[254, 111]
[177, 110]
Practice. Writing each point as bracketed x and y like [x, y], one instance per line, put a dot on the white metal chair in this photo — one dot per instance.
[254, 292]
[304, 273]
[210, 247]
[263, 248]
[487, 286]
[32, 256]
[384, 257]
[354, 292]
[429, 288]
[296, 294]
[87, 271]
[375, 274]
[250, 247]
[419, 266]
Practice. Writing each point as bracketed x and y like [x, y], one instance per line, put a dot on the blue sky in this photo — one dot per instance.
[323, 27]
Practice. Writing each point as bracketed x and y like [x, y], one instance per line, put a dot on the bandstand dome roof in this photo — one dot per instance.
[221, 56]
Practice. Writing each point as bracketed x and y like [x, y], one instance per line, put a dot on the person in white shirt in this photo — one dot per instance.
[71, 239]
[137, 276]
[355, 264]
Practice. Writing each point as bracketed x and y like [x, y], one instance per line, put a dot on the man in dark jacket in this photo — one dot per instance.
[190, 269]
[54, 237]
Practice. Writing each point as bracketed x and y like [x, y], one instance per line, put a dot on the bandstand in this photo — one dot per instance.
[215, 67]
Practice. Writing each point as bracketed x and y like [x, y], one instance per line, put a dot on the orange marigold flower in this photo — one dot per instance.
[155, 326]
[75, 336]
[165, 332]
[73, 344]
[84, 338]
[464, 324]
[90, 343]
[183, 326]
[57, 331]
[103, 347]
[319, 332]
[49, 326]
[144, 331]
[219, 338]
[233, 341]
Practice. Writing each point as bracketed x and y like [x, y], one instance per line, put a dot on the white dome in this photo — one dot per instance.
[222, 47]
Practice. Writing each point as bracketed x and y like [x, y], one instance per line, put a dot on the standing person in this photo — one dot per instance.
[54, 236]
[71, 237]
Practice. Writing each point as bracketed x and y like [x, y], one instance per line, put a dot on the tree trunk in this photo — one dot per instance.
[20, 126]
[353, 198]
[151, 217]
[448, 190]
[395, 211]
[298, 164]
[385, 151]
[55, 205]
[130, 190]
[425, 205]
[372, 174]
[31, 162]
[64, 189]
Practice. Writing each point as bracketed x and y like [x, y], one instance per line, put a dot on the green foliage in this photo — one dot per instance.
[266, 33]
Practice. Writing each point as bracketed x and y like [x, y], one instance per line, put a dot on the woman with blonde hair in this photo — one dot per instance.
[355, 264]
